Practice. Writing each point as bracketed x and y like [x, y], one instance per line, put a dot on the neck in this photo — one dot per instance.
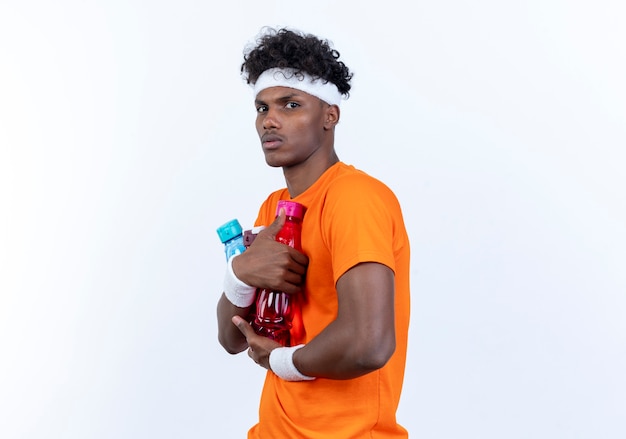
[300, 178]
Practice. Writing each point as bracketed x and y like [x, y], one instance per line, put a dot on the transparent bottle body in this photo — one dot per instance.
[275, 309]
[234, 247]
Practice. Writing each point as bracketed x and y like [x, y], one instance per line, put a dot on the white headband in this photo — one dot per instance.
[287, 77]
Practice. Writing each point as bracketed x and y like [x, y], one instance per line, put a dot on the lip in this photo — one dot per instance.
[271, 141]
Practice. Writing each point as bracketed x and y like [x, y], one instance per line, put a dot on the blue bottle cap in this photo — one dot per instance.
[228, 231]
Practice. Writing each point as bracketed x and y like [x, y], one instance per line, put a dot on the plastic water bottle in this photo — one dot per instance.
[276, 311]
[231, 236]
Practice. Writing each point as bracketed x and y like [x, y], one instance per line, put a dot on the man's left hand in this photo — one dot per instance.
[259, 347]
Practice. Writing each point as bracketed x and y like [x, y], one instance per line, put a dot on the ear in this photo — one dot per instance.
[331, 117]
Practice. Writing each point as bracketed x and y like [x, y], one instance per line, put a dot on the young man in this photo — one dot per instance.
[342, 377]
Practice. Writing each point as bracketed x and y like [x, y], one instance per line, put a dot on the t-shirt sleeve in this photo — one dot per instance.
[267, 211]
[358, 223]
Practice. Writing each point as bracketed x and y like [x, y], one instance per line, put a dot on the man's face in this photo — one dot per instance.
[290, 124]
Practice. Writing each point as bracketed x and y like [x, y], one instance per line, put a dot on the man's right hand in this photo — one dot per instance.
[271, 264]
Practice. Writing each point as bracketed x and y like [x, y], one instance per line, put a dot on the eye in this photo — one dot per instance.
[261, 108]
[292, 105]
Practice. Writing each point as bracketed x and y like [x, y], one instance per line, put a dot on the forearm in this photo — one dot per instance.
[228, 335]
[336, 354]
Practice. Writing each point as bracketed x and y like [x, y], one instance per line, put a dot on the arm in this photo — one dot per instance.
[266, 264]
[362, 337]
[228, 335]
[360, 340]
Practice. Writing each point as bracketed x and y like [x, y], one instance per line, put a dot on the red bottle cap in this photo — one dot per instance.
[292, 208]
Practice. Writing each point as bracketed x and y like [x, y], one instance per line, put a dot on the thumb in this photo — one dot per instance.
[276, 225]
[243, 326]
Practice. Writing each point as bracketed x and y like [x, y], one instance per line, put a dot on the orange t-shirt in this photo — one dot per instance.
[350, 218]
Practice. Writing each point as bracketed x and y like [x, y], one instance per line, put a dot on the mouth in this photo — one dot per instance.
[271, 141]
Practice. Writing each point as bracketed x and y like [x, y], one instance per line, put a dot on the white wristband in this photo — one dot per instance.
[239, 293]
[281, 363]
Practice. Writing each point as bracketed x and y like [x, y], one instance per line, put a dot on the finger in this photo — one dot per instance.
[301, 260]
[276, 225]
[292, 283]
[243, 326]
[251, 355]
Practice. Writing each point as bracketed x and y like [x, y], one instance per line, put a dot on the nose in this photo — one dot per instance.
[270, 120]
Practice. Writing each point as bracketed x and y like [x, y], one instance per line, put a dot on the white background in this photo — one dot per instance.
[127, 138]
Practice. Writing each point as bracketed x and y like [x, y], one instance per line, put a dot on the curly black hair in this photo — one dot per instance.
[306, 53]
